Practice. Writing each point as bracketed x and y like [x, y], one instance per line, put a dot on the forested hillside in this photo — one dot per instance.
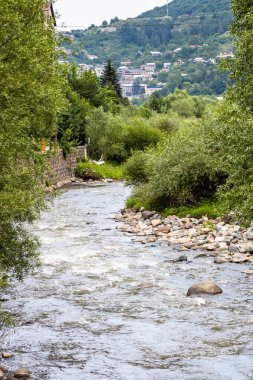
[193, 29]
[190, 7]
[201, 23]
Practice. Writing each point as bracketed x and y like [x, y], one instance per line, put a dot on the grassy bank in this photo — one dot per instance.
[211, 209]
[107, 170]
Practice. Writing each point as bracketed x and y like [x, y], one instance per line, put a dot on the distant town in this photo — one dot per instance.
[135, 81]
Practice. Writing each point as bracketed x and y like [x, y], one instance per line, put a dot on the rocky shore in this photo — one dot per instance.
[77, 181]
[214, 237]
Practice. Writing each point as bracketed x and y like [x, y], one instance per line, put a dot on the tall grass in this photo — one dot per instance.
[107, 170]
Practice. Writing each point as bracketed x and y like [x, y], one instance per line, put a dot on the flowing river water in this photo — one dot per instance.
[103, 306]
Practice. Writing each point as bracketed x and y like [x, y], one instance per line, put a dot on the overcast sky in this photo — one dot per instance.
[87, 12]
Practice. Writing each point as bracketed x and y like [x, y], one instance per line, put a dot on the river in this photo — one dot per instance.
[105, 307]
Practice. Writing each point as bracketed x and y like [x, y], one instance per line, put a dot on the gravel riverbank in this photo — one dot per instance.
[225, 242]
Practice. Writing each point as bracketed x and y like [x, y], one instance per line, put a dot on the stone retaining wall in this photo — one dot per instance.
[62, 169]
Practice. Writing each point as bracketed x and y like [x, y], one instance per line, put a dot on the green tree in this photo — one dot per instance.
[30, 99]
[109, 78]
[241, 68]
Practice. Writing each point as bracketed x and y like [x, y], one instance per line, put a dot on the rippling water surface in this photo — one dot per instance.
[104, 307]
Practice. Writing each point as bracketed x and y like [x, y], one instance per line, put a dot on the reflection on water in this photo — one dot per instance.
[105, 307]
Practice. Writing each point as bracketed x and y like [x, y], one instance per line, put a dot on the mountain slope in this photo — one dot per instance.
[189, 7]
[196, 29]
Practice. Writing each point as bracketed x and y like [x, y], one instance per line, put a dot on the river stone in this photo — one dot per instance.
[249, 235]
[211, 247]
[7, 355]
[250, 249]
[233, 249]
[220, 260]
[205, 287]
[181, 259]
[163, 229]
[156, 222]
[22, 373]
[248, 272]
[147, 214]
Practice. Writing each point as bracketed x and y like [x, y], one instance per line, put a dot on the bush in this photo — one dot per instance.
[230, 138]
[183, 174]
[135, 169]
[166, 122]
[106, 136]
[139, 135]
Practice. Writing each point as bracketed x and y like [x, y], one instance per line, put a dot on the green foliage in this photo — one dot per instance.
[184, 105]
[31, 88]
[139, 135]
[210, 209]
[198, 7]
[106, 136]
[107, 170]
[6, 319]
[136, 203]
[203, 24]
[86, 85]
[67, 142]
[183, 173]
[241, 68]
[230, 139]
[166, 122]
[135, 170]
[110, 79]
[114, 138]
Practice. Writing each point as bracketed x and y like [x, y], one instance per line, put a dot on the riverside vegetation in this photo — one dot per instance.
[185, 155]
[182, 153]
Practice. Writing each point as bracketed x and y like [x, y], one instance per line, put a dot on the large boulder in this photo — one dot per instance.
[205, 287]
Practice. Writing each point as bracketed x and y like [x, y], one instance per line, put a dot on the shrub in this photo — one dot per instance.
[230, 139]
[166, 122]
[183, 174]
[139, 135]
[106, 136]
[135, 169]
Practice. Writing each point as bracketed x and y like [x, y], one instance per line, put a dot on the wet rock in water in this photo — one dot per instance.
[7, 355]
[200, 256]
[148, 214]
[22, 373]
[248, 272]
[205, 287]
[220, 260]
[181, 259]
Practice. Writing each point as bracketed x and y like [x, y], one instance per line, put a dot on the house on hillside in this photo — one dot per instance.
[49, 12]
